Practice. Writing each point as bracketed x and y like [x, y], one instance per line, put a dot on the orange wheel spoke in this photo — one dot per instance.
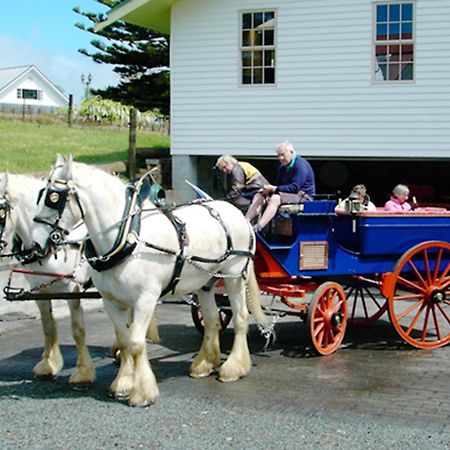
[427, 266]
[444, 274]
[445, 284]
[318, 329]
[410, 284]
[408, 297]
[436, 323]
[417, 273]
[438, 263]
[416, 318]
[409, 309]
[425, 325]
[442, 310]
[336, 307]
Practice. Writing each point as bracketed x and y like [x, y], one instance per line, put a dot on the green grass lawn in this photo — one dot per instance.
[31, 147]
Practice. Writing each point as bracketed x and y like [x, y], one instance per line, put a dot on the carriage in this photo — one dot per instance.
[334, 270]
[323, 266]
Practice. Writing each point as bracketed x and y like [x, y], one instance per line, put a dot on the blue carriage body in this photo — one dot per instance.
[317, 242]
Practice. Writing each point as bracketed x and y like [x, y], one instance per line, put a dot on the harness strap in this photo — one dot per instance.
[126, 240]
[180, 228]
[181, 258]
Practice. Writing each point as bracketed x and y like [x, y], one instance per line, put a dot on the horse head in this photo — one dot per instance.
[55, 216]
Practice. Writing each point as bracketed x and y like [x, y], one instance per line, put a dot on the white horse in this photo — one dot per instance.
[18, 197]
[176, 253]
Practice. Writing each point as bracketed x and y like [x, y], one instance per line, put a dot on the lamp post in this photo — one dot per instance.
[86, 80]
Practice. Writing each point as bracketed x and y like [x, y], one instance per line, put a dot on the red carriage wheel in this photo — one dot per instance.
[225, 314]
[327, 318]
[419, 295]
[364, 304]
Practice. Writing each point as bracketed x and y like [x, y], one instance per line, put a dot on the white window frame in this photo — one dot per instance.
[399, 41]
[262, 48]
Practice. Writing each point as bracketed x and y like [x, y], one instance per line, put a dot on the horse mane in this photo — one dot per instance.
[22, 187]
[97, 174]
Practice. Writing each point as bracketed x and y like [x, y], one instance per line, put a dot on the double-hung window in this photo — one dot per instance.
[394, 41]
[258, 47]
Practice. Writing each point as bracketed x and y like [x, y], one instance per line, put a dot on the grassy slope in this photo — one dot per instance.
[31, 147]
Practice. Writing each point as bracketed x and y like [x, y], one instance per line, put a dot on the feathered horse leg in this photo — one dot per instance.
[51, 361]
[208, 357]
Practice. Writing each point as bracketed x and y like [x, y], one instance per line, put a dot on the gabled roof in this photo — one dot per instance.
[9, 75]
[153, 14]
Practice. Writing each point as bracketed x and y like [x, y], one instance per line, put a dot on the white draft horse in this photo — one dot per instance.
[18, 199]
[175, 254]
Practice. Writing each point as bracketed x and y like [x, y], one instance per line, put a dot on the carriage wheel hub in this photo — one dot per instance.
[336, 319]
[438, 296]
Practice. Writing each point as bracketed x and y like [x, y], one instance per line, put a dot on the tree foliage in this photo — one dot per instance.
[140, 57]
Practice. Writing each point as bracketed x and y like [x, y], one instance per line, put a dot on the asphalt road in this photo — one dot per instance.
[374, 392]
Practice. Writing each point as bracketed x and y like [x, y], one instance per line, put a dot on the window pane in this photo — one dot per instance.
[407, 53]
[258, 37]
[246, 39]
[394, 30]
[268, 37]
[246, 59]
[269, 58]
[407, 71]
[394, 53]
[394, 70]
[258, 19]
[407, 30]
[257, 76]
[407, 11]
[381, 72]
[258, 58]
[382, 32]
[268, 16]
[269, 76]
[381, 53]
[394, 13]
[247, 76]
[246, 21]
[381, 13]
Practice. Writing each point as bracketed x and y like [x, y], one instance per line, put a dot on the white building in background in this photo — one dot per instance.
[343, 80]
[27, 87]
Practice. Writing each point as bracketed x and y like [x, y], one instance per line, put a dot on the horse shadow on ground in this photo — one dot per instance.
[171, 358]
[292, 339]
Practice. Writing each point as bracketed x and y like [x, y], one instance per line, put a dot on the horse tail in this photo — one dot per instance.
[253, 299]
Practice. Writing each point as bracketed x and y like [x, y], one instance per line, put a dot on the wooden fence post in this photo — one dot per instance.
[132, 144]
[69, 113]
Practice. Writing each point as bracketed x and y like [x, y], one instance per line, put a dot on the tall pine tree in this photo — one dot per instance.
[140, 57]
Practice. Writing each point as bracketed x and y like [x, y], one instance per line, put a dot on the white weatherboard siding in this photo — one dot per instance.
[324, 100]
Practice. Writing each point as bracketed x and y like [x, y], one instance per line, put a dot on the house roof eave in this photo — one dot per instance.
[153, 14]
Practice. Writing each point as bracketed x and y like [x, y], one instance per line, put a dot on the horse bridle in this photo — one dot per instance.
[58, 193]
[5, 209]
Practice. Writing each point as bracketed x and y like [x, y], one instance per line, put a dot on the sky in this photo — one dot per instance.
[43, 33]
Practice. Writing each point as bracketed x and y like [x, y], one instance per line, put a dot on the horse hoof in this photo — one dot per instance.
[80, 386]
[143, 404]
[45, 376]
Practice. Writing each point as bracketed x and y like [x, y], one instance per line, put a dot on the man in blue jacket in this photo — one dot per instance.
[295, 184]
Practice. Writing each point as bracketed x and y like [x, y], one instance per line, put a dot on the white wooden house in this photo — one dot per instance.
[26, 87]
[343, 80]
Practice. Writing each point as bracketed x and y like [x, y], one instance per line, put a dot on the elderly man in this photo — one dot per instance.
[295, 184]
[246, 180]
